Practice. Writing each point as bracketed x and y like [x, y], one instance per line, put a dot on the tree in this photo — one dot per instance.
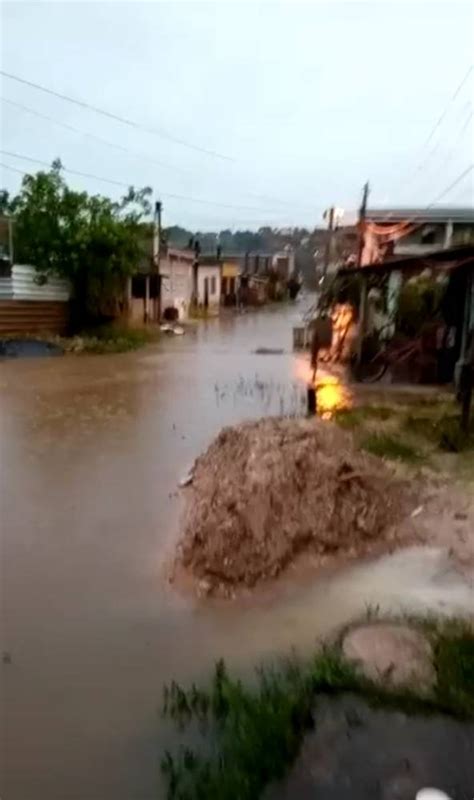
[92, 241]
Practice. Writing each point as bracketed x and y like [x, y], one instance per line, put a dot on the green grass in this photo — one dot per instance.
[354, 417]
[252, 734]
[258, 730]
[443, 430]
[454, 664]
[386, 446]
[109, 339]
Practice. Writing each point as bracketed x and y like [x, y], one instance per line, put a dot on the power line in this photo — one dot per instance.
[234, 223]
[448, 106]
[127, 185]
[452, 185]
[133, 153]
[13, 169]
[90, 135]
[110, 115]
[426, 157]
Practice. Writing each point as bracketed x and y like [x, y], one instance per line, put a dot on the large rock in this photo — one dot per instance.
[391, 653]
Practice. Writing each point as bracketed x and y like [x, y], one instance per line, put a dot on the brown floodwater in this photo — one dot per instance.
[92, 450]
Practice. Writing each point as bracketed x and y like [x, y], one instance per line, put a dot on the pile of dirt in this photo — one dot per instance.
[268, 491]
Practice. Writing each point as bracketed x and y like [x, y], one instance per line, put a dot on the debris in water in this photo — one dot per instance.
[417, 511]
[187, 480]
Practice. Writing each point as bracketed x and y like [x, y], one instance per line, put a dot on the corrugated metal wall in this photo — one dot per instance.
[33, 316]
[27, 305]
[28, 285]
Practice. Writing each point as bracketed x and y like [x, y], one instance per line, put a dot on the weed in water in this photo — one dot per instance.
[254, 734]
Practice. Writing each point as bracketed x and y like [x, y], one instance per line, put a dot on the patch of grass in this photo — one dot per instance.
[442, 430]
[354, 417]
[253, 734]
[109, 339]
[454, 664]
[258, 730]
[386, 446]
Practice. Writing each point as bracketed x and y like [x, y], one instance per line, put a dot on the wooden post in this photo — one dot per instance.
[362, 216]
[147, 298]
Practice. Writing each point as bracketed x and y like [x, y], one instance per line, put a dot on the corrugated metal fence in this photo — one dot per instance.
[30, 304]
[33, 316]
[25, 283]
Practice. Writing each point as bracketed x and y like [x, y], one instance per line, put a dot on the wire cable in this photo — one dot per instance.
[93, 136]
[113, 182]
[116, 117]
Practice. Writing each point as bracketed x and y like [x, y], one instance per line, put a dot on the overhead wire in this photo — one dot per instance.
[122, 184]
[116, 117]
[133, 153]
[425, 159]
[93, 136]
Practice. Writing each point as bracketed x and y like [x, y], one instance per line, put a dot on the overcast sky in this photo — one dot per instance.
[304, 101]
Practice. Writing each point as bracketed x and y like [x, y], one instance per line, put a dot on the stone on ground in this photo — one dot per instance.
[397, 654]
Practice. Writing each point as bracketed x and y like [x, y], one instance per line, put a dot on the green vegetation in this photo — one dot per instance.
[258, 731]
[109, 339]
[354, 417]
[414, 430]
[386, 446]
[443, 430]
[454, 664]
[252, 734]
[90, 240]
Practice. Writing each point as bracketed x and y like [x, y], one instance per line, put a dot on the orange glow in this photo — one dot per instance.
[332, 395]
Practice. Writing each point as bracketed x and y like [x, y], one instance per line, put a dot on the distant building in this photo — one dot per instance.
[177, 281]
[209, 282]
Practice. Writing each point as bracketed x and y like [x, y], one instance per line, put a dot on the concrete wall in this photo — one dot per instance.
[212, 274]
[176, 286]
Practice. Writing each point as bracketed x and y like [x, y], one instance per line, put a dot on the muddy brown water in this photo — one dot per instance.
[92, 449]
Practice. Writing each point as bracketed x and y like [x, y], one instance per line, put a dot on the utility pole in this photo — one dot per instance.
[328, 253]
[156, 259]
[157, 235]
[364, 287]
[362, 216]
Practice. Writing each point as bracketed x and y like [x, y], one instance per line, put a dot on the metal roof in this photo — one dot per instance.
[449, 258]
[459, 214]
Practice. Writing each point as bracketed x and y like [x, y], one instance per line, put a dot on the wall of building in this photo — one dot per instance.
[176, 285]
[213, 276]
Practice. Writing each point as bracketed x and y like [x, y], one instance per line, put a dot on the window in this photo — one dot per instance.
[213, 285]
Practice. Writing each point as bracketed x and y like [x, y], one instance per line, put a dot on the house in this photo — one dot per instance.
[283, 263]
[454, 268]
[177, 273]
[395, 232]
[230, 280]
[208, 280]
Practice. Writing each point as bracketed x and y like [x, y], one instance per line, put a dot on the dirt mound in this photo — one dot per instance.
[267, 491]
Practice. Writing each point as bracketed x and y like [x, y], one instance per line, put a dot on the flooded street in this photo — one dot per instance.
[93, 448]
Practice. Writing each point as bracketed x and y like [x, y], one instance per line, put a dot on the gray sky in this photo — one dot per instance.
[306, 100]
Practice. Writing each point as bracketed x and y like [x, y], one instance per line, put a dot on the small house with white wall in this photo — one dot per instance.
[209, 278]
[177, 282]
